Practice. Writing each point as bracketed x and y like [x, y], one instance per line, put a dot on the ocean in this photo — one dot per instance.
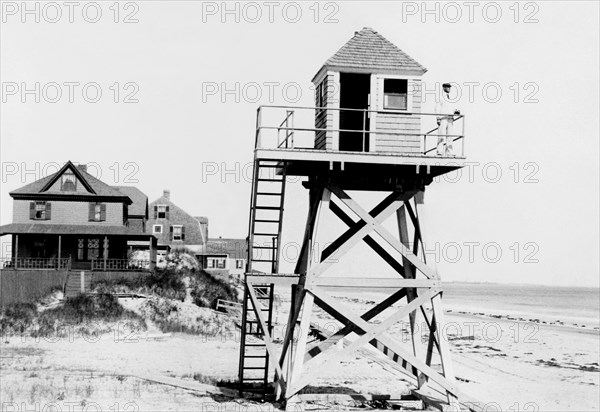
[569, 305]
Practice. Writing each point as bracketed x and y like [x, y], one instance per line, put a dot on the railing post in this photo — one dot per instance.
[292, 126]
[257, 143]
[364, 130]
[464, 139]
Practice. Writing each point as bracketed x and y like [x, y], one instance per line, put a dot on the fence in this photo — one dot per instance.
[29, 263]
[120, 265]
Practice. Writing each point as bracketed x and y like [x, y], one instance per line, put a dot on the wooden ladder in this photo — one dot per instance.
[254, 357]
[266, 216]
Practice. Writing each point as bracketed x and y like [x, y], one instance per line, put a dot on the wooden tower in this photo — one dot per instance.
[367, 133]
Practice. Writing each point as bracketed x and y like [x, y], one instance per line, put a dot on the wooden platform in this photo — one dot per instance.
[362, 170]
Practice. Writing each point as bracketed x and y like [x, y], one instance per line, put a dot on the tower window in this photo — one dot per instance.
[395, 94]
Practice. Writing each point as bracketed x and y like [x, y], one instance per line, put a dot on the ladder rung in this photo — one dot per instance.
[254, 368]
[269, 180]
[262, 247]
[254, 380]
[268, 207]
[266, 234]
[261, 260]
[268, 194]
[266, 221]
[255, 356]
[255, 344]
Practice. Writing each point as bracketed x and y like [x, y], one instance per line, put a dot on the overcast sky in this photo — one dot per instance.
[162, 121]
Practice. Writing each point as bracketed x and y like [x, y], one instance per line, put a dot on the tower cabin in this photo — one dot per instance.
[372, 92]
[367, 120]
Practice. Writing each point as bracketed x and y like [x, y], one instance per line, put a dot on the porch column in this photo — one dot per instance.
[59, 248]
[152, 252]
[16, 247]
[105, 251]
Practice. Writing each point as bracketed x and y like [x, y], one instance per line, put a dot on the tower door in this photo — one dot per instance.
[354, 94]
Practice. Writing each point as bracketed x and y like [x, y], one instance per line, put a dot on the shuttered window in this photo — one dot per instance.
[178, 232]
[161, 212]
[40, 210]
[97, 212]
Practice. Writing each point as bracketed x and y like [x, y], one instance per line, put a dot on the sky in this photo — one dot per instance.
[163, 95]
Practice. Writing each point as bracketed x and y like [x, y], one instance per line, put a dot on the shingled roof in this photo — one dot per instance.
[369, 51]
[139, 207]
[95, 187]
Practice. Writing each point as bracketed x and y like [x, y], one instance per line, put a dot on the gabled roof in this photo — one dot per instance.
[139, 207]
[368, 51]
[94, 186]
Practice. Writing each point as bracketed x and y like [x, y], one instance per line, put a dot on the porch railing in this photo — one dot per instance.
[120, 265]
[290, 127]
[36, 263]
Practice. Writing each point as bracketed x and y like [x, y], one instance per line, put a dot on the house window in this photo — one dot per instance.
[395, 94]
[97, 212]
[161, 212]
[68, 182]
[216, 263]
[239, 263]
[177, 232]
[156, 229]
[39, 210]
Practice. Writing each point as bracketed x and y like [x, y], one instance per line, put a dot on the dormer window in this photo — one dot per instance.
[395, 94]
[68, 182]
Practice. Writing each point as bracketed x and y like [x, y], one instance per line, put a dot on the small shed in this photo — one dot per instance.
[370, 95]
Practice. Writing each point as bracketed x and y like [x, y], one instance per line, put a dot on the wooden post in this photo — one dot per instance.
[152, 253]
[82, 281]
[105, 251]
[16, 247]
[59, 250]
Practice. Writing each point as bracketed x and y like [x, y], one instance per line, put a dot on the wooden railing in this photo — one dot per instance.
[233, 308]
[35, 263]
[268, 120]
[120, 265]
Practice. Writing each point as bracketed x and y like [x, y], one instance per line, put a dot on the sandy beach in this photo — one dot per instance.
[506, 364]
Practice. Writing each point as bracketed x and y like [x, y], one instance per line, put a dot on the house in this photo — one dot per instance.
[225, 256]
[71, 220]
[174, 227]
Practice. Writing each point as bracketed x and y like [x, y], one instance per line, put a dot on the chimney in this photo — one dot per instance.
[167, 194]
[83, 167]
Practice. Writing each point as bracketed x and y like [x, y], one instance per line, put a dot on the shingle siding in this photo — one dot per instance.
[177, 216]
[68, 212]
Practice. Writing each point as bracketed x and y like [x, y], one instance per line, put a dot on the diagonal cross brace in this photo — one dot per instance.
[393, 345]
[346, 242]
[369, 332]
[375, 224]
